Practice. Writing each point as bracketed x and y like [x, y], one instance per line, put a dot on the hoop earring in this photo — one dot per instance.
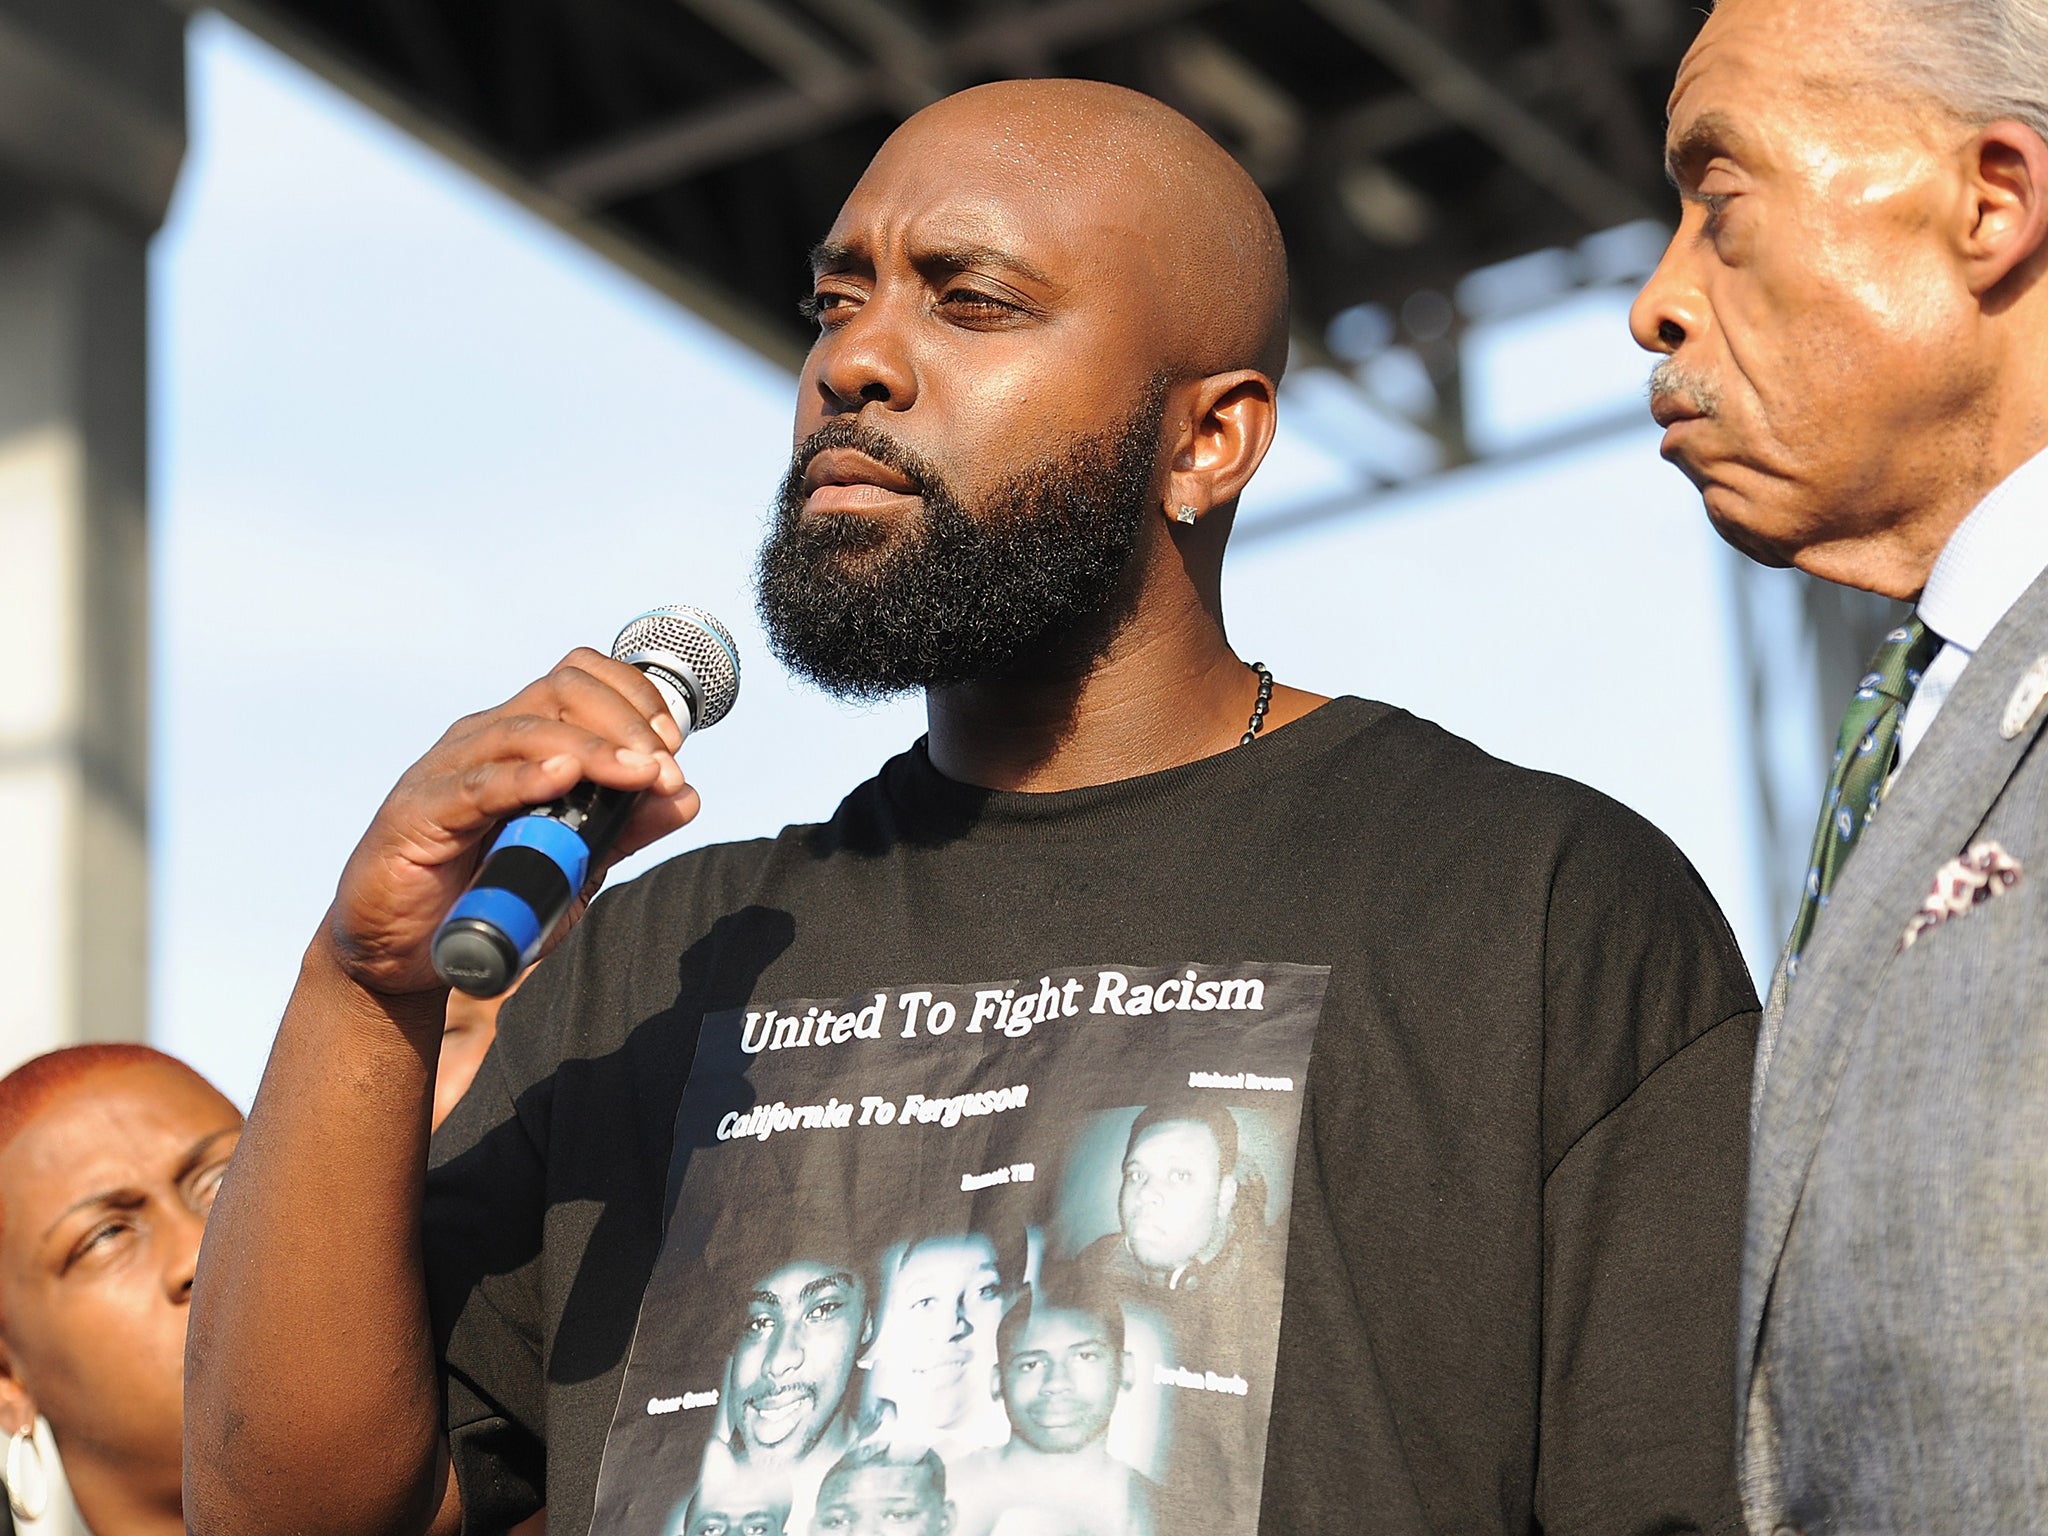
[25, 1508]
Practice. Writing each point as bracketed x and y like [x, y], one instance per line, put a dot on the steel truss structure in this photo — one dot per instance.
[1434, 163]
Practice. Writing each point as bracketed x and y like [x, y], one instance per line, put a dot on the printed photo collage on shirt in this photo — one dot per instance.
[996, 1259]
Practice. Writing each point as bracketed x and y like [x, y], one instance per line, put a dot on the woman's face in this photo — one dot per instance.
[103, 1196]
[938, 1335]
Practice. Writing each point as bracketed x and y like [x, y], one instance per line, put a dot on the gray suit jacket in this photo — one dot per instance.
[1893, 1353]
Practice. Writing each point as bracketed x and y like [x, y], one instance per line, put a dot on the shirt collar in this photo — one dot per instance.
[1991, 559]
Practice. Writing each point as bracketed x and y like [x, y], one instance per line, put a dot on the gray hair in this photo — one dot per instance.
[1984, 60]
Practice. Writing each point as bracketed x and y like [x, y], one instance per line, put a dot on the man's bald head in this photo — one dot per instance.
[1138, 176]
[1050, 317]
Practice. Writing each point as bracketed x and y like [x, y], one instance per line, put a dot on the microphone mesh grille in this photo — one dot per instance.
[692, 645]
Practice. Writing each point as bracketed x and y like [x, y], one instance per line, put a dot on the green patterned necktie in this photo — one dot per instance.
[1865, 750]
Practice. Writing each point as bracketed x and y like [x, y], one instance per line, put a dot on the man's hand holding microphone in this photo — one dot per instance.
[492, 843]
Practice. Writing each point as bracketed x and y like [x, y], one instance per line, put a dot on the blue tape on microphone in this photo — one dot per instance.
[503, 911]
[545, 835]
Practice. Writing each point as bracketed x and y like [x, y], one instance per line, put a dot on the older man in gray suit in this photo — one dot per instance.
[1854, 317]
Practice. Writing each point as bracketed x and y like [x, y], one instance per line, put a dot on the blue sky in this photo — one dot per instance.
[412, 444]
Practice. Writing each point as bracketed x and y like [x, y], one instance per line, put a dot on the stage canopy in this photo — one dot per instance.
[707, 143]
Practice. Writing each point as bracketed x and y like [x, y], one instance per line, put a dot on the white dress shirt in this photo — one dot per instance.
[1987, 563]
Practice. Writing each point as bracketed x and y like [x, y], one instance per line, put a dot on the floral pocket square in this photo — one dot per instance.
[1985, 870]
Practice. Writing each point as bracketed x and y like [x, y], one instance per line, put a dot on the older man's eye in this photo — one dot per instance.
[1716, 205]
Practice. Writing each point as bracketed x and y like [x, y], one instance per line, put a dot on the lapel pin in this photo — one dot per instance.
[2026, 699]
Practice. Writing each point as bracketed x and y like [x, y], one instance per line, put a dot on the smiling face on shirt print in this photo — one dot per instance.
[804, 1325]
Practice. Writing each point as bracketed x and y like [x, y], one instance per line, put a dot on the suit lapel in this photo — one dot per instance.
[1940, 798]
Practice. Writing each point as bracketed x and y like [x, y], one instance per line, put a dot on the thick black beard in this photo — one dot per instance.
[1031, 582]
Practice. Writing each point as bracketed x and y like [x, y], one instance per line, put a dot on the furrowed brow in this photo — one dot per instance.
[1708, 135]
[106, 1199]
[972, 258]
[829, 256]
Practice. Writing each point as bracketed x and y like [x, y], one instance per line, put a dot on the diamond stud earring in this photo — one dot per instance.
[1185, 514]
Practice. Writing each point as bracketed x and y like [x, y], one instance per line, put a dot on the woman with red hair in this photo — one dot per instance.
[109, 1159]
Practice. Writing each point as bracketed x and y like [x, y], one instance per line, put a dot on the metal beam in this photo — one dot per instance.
[423, 41]
[1468, 98]
[87, 103]
[760, 122]
[898, 46]
[1399, 118]
[1220, 85]
[689, 286]
[781, 41]
[1593, 60]
[675, 151]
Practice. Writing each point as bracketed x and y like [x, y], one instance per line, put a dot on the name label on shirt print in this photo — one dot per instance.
[1250, 1082]
[683, 1403]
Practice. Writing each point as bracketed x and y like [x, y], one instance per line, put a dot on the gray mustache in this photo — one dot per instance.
[1671, 379]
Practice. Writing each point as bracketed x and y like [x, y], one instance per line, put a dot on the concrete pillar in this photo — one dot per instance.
[91, 134]
[92, 128]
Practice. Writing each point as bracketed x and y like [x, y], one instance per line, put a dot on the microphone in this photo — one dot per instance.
[540, 859]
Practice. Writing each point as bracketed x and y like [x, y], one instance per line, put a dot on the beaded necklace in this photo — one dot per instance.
[1265, 698]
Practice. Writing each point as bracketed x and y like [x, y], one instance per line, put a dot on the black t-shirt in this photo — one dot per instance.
[1518, 1151]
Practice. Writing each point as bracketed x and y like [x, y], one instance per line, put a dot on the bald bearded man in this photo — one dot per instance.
[1481, 1033]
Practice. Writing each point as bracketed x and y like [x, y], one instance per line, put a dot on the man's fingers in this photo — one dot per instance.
[635, 686]
[607, 696]
[641, 764]
[522, 761]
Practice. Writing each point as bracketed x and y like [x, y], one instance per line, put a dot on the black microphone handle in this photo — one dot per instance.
[540, 860]
[536, 866]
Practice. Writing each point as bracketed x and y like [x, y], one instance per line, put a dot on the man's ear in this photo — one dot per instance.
[1130, 1372]
[995, 1382]
[1226, 423]
[1226, 1196]
[946, 1519]
[2006, 175]
[17, 1407]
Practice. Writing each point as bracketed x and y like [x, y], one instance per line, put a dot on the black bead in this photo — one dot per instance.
[1259, 705]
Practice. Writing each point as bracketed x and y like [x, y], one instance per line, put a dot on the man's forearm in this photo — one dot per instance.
[312, 1401]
